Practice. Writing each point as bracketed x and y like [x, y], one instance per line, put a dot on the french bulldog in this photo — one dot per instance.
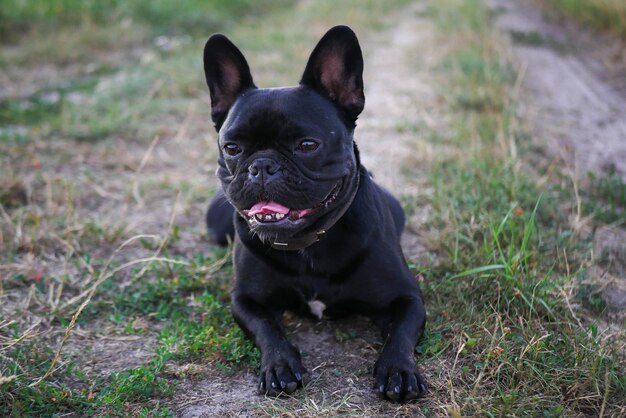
[313, 233]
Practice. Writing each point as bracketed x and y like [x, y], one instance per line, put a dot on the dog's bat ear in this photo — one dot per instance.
[335, 70]
[227, 75]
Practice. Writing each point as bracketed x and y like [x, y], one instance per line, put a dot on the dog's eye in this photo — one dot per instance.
[231, 149]
[307, 145]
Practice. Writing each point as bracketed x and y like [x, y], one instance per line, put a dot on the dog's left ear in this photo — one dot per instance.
[227, 75]
[335, 70]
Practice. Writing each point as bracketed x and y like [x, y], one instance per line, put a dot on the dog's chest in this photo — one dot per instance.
[324, 302]
[321, 292]
[317, 308]
[317, 297]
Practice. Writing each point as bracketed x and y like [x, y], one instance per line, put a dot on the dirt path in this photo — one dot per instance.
[573, 87]
[340, 354]
[573, 95]
[398, 95]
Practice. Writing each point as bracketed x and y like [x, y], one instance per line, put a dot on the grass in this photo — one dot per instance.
[186, 301]
[127, 102]
[56, 250]
[605, 15]
[509, 261]
[606, 201]
[159, 15]
[19, 20]
[72, 153]
[112, 299]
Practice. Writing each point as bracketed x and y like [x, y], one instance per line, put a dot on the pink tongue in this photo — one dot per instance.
[268, 207]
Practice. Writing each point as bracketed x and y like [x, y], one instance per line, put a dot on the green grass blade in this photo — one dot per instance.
[479, 270]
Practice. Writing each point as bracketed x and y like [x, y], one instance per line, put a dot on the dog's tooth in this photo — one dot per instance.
[268, 217]
[279, 216]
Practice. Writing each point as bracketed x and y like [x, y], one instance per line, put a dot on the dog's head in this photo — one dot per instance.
[287, 160]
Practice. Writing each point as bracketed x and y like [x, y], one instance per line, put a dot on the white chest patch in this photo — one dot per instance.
[317, 308]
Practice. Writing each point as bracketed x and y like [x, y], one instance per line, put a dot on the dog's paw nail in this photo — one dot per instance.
[274, 385]
[409, 389]
[298, 376]
[381, 388]
[283, 384]
[422, 387]
[396, 389]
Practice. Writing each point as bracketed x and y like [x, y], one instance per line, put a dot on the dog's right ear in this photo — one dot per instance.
[227, 75]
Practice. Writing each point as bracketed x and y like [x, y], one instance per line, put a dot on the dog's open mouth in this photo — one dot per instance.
[269, 212]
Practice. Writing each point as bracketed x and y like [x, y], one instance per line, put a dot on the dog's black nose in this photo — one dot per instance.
[263, 170]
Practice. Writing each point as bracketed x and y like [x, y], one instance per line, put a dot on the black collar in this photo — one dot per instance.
[300, 242]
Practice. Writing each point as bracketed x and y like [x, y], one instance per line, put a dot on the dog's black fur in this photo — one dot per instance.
[331, 234]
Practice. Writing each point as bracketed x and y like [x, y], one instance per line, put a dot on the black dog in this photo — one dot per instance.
[313, 232]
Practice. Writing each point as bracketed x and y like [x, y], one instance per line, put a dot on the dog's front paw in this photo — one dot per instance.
[398, 378]
[281, 371]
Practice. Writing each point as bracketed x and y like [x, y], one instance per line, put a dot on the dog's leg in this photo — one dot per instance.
[281, 367]
[395, 373]
[219, 219]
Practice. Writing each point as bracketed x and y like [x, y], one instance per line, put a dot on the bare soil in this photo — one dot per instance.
[573, 88]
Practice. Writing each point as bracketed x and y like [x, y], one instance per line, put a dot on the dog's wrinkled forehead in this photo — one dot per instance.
[263, 115]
